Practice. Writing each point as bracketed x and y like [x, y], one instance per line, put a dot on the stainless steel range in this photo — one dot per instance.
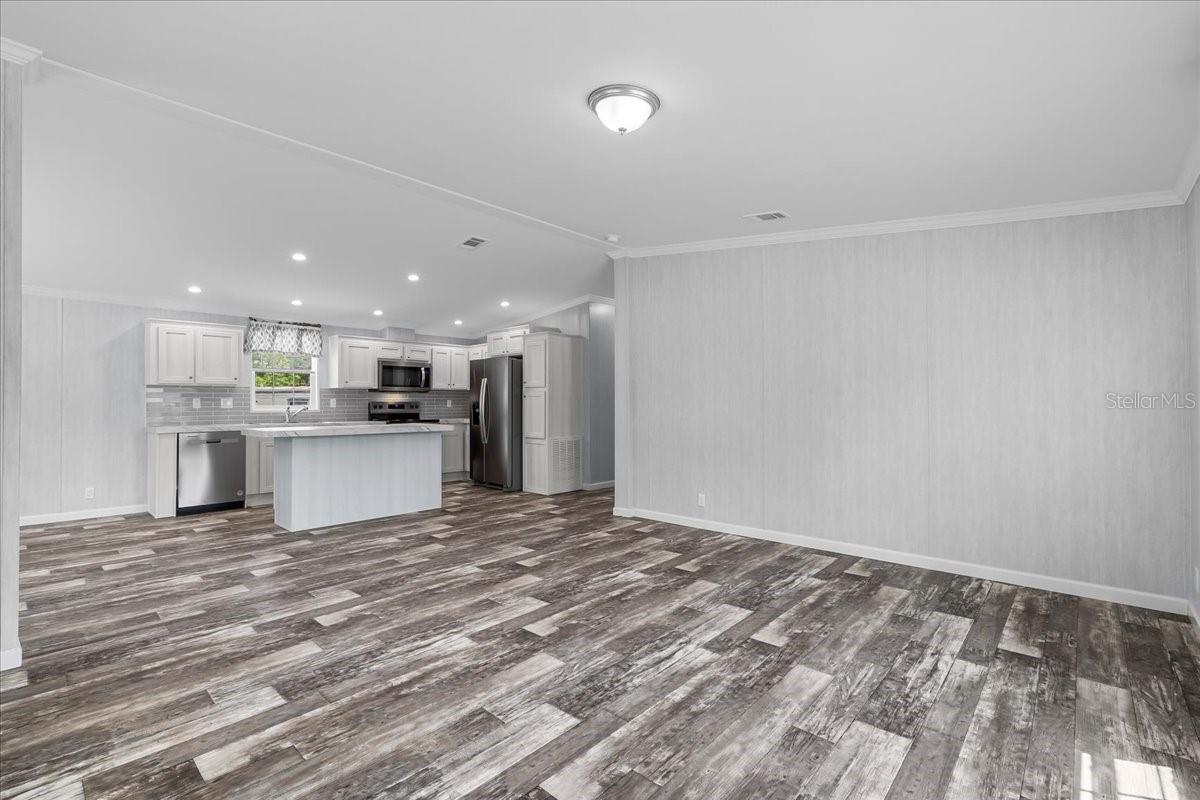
[394, 412]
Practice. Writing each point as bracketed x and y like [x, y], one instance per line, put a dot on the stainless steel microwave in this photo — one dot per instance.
[403, 376]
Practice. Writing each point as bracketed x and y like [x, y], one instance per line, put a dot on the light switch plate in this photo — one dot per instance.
[89, 493]
[226, 402]
[333, 402]
[700, 499]
[195, 402]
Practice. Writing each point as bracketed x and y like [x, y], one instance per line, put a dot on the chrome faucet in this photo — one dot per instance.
[289, 415]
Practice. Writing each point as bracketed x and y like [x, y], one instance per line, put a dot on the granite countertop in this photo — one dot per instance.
[353, 429]
[181, 428]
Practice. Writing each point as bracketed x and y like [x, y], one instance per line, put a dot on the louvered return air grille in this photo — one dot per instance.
[766, 216]
[474, 243]
[566, 464]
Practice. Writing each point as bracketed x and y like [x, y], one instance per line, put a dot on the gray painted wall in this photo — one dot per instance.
[11, 76]
[83, 388]
[1192, 213]
[940, 393]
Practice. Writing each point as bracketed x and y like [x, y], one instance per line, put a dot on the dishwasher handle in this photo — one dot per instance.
[195, 439]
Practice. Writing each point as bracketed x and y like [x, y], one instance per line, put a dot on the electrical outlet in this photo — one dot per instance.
[226, 402]
[447, 404]
[89, 493]
[700, 499]
[195, 402]
[333, 402]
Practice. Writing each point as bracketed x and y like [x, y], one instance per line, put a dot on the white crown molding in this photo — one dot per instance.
[578, 301]
[1112, 594]
[1103, 205]
[18, 53]
[312, 148]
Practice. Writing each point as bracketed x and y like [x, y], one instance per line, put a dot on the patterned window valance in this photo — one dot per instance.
[293, 338]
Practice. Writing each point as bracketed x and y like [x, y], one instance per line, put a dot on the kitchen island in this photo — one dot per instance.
[333, 474]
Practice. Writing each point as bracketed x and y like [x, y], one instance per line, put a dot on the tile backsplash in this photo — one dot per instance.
[173, 405]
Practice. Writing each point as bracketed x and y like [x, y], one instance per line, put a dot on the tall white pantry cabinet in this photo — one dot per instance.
[552, 413]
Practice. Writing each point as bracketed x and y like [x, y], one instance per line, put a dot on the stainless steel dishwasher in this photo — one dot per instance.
[212, 472]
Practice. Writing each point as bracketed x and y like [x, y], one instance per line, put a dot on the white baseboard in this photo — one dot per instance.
[11, 658]
[592, 487]
[256, 500]
[89, 513]
[1112, 594]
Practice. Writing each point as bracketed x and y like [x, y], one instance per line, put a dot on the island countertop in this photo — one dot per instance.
[295, 431]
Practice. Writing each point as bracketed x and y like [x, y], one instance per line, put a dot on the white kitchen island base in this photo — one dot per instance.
[326, 478]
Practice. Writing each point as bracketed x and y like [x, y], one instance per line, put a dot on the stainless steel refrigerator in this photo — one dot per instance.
[496, 422]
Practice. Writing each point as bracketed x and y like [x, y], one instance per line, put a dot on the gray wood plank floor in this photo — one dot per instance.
[515, 646]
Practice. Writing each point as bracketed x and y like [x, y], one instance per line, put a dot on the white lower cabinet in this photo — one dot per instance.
[260, 467]
[534, 467]
[455, 449]
[266, 466]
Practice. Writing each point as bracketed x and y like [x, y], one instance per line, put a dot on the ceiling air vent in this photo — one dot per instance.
[766, 216]
[474, 243]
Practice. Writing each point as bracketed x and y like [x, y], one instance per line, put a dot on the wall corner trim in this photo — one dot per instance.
[1112, 594]
[10, 658]
[88, 513]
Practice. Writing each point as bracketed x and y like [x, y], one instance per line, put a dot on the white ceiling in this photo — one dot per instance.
[838, 113]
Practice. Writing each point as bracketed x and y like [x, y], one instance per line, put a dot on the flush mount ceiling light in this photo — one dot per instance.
[378, 312]
[299, 257]
[195, 289]
[504, 304]
[297, 302]
[623, 107]
[414, 277]
[458, 322]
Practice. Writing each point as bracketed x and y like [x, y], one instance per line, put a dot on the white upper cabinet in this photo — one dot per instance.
[356, 366]
[450, 368]
[477, 351]
[506, 343]
[418, 352]
[176, 358]
[460, 369]
[533, 370]
[218, 356]
[391, 350]
[440, 379]
[188, 354]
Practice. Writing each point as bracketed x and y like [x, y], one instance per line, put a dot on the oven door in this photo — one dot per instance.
[403, 376]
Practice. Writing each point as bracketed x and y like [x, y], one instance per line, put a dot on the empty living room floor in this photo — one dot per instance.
[524, 646]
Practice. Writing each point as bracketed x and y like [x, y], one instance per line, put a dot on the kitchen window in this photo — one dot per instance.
[281, 380]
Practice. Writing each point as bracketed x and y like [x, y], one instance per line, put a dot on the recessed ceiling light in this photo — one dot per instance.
[504, 304]
[195, 289]
[623, 107]
[378, 312]
[458, 322]
[297, 302]
[414, 277]
[299, 257]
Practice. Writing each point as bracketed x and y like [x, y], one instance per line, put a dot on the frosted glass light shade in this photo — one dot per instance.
[623, 108]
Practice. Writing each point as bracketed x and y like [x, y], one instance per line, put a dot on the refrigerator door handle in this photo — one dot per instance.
[483, 427]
